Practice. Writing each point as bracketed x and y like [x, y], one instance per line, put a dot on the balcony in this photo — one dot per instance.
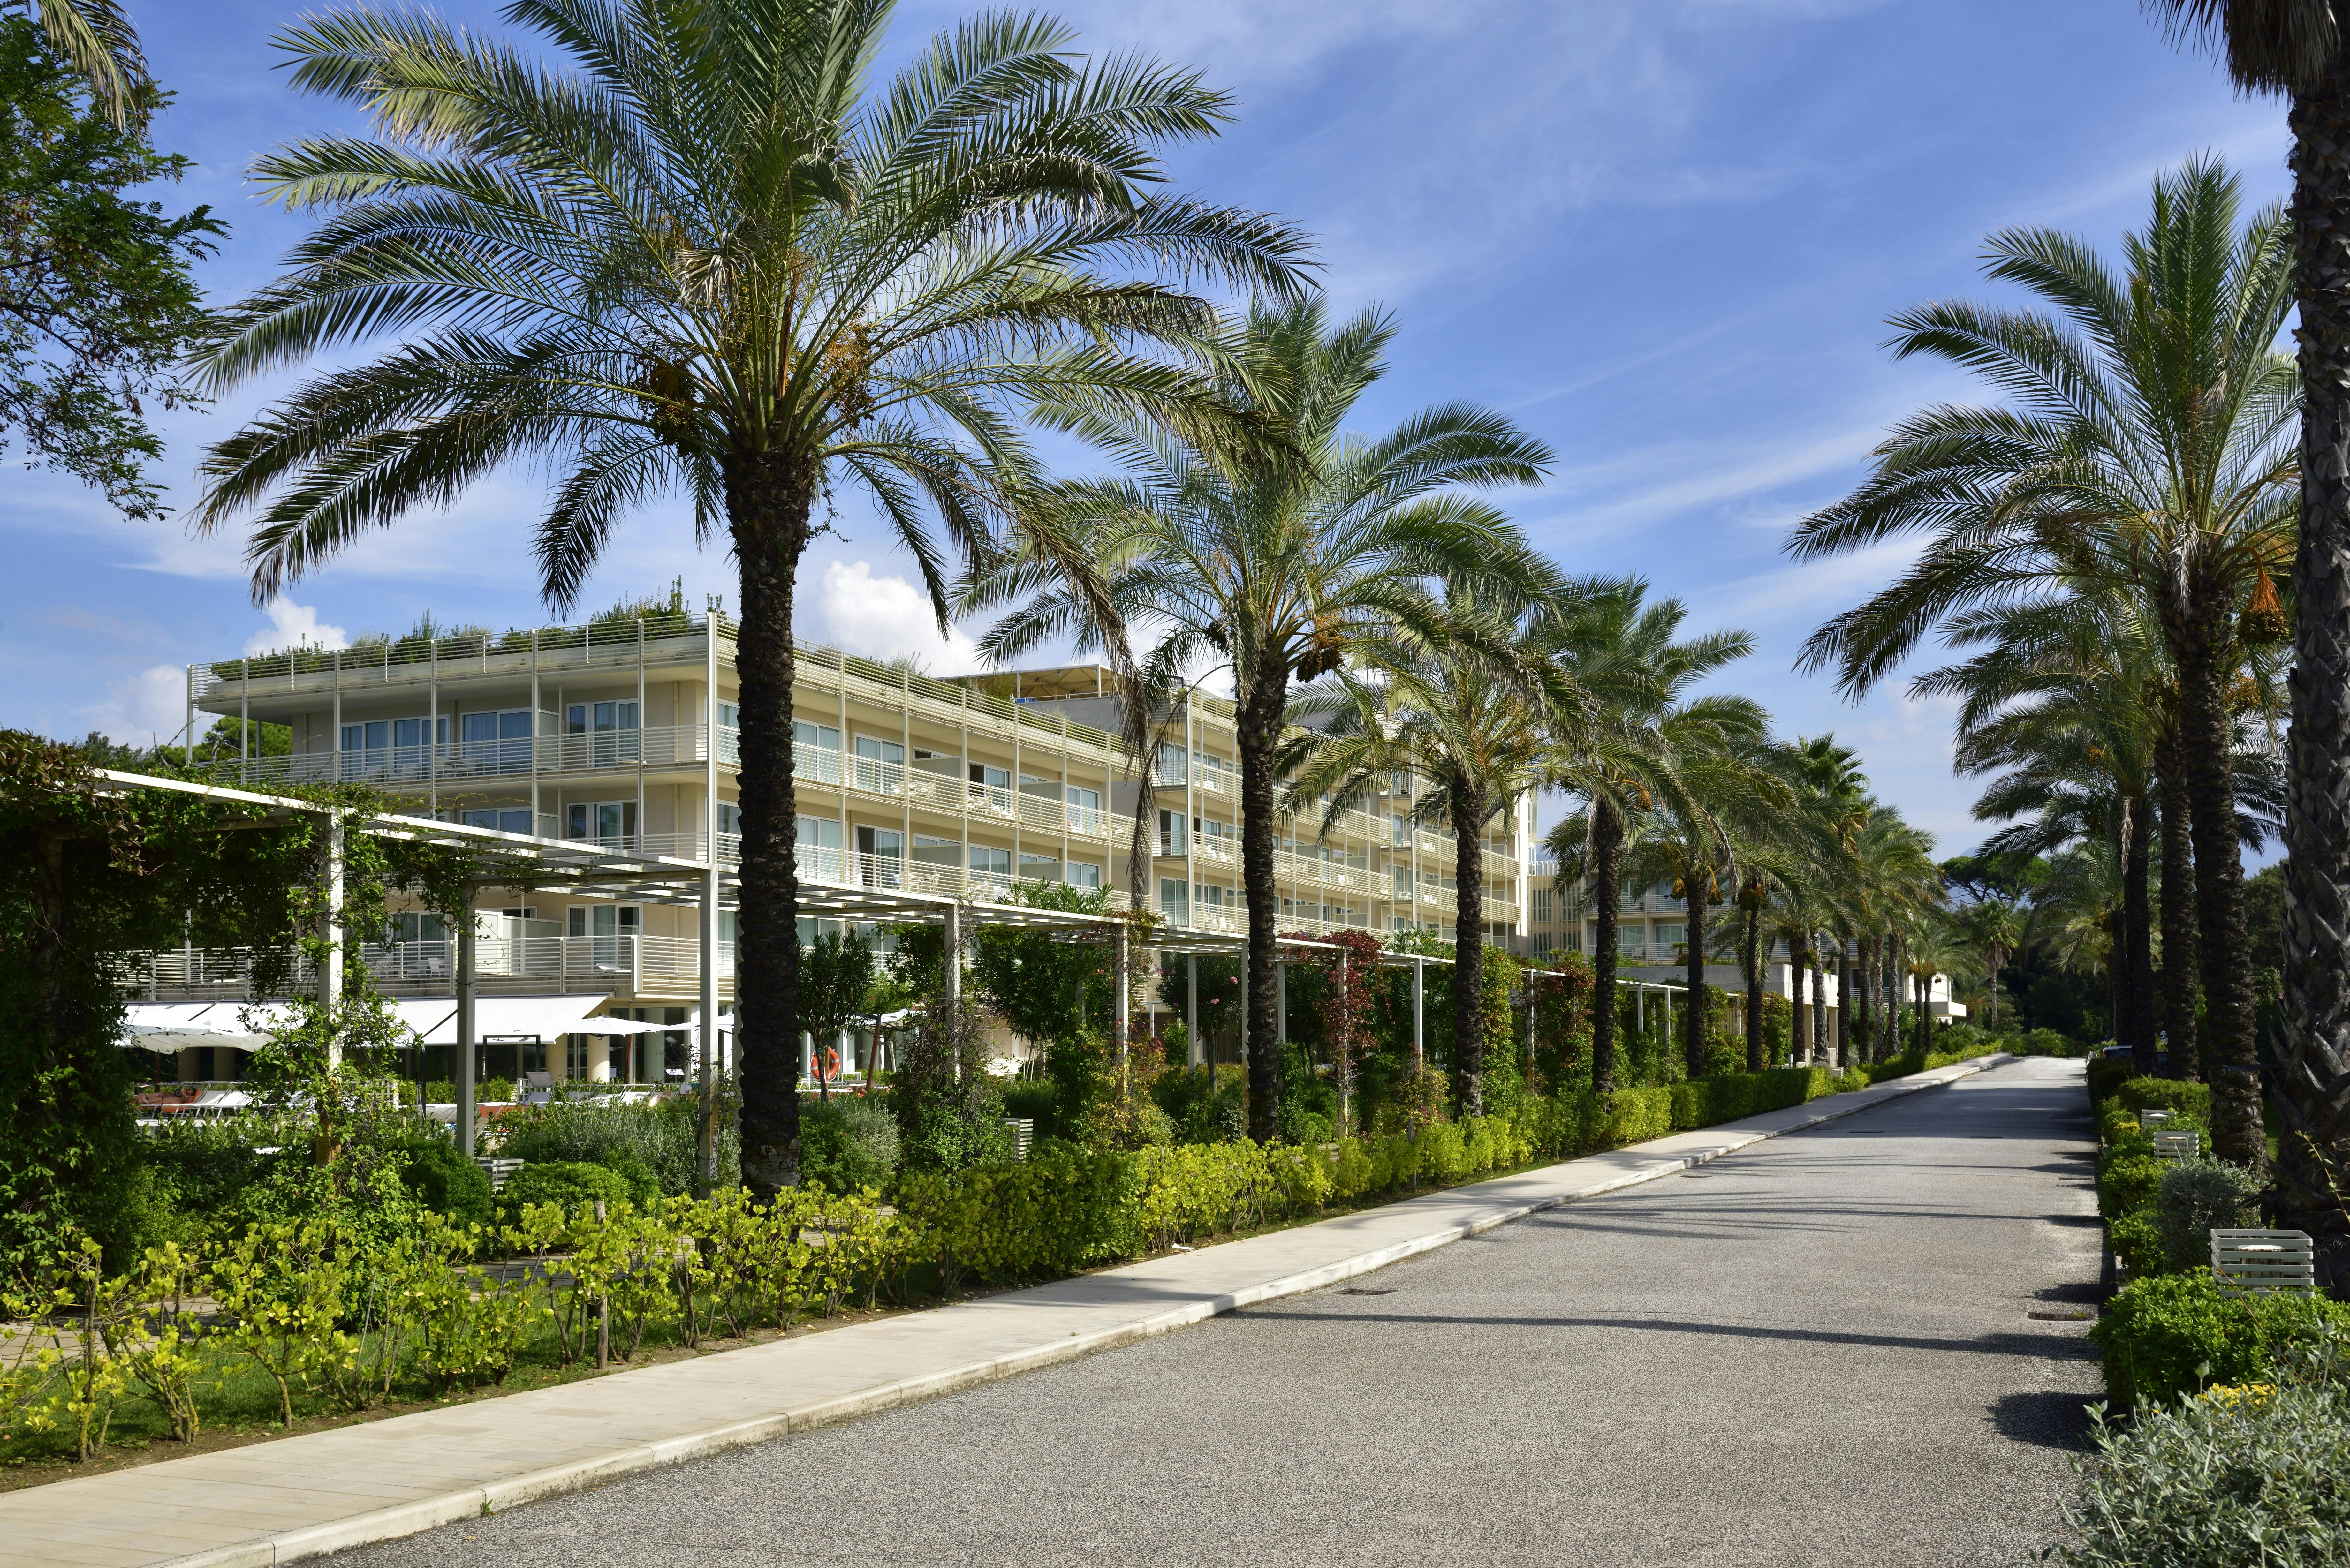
[618, 965]
[465, 762]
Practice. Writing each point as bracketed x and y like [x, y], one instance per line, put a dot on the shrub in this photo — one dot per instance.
[2170, 1335]
[570, 1185]
[850, 1144]
[653, 1138]
[2128, 1183]
[2107, 1076]
[2172, 1095]
[2137, 1243]
[2235, 1478]
[2198, 1196]
[444, 1180]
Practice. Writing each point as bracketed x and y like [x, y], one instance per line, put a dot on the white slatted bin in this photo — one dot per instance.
[2182, 1143]
[497, 1170]
[2263, 1263]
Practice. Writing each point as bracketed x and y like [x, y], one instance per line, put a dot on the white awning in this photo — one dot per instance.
[547, 1017]
[188, 1026]
[178, 1025]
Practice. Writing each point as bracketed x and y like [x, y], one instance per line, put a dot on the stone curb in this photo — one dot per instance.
[471, 1502]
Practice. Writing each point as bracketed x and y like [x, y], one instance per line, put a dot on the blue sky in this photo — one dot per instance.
[1663, 235]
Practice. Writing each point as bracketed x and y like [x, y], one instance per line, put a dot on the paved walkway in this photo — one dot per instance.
[274, 1502]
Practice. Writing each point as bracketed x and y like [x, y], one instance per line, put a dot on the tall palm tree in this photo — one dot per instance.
[712, 254]
[1618, 750]
[2298, 48]
[1273, 568]
[1834, 798]
[97, 38]
[2146, 450]
[1730, 800]
[2069, 707]
[1893, 880]
[1464, 713]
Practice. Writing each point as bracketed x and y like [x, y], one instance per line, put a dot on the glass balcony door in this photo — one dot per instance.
[880, 765]
[610, 932]
[609, 733]
[880, 856]
[495, 743]
[609, 823]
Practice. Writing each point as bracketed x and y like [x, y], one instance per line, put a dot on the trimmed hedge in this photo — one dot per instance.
[2172, 1095]
[2172, 1334]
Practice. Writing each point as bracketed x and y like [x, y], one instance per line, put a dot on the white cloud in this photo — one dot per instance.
[887, 617]
[150, 705]
[294, 625]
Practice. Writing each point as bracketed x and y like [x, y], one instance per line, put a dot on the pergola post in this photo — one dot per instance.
[330, 921]
[706, 1111]
[1191, 1009]
[1343, 1047]
[1123, 1003]
[1419, 1015]
[467, 1105]
[1280, 1004]
[954, 978]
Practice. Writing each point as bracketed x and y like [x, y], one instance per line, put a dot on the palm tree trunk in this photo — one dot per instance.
[767, 505]
[2312, 1081]
[1258, 737]
[1844, 1002]
[2232, 1069]
[1469, 943]
[1693, 1023]
[1607, 873]
[1895, 956]
[1863, 995]
[1818, 949]
[2177, 895]
[1757, 1058]
[2137, 931]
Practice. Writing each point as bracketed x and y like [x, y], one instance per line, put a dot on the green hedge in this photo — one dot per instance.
[2173, 1094]
[2173, 1333]
[2242, 1477]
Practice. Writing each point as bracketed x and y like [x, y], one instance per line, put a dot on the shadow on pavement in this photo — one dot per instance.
[2052, 1419]
[2045, 1347]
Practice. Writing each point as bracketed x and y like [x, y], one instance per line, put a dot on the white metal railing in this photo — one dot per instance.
[586, 962]
[897, 781]
[659, 746]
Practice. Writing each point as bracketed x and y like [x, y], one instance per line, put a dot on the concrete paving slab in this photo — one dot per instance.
[413, 1472]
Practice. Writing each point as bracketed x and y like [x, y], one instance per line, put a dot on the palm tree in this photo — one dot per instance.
[715, 257]
[2297, 48]
[1835, 796]
[1274, 566]
[97, 39]
[2147, 452]
[1465, 713]
[1618, 750]
[1893, 878]
[1730, 802]
[2067, 706]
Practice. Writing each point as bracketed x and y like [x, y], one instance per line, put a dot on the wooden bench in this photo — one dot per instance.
[2263, 1263]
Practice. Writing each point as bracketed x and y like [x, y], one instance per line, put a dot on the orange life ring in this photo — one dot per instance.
[827, 1062]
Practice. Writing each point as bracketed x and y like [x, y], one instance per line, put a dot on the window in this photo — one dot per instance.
[1632, 940]
[730, 717]
[817, 848]
[600, 735]
[1403, 882]
[1172, 839]
[609, 930]
[1668, 937]
[1402, 839]
[1081, 874]
[1541, 944]
[989, 865]
[990, 787]
[929, 851]
[1039, 867]
[415, 926]
[1542, 907]
[1085, 809]
[881, 765]
[610, 823]
[730, 819]
[881, 857]
[1173, 765]
[815, 751]
[506, 819]
[1173, 903]
[495, 743]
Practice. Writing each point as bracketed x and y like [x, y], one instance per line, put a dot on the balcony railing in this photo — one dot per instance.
[461, 761]
[609, 963]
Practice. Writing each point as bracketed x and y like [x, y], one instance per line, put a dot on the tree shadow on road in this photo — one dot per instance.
[2050, 1419]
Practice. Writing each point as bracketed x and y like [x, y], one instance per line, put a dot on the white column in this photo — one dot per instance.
[1281, 1003]
[1419, 994]
[335, 747]
[1122, 989]
[330, 972]
[1192, 1008]
[432, 729]
[188, 736]
[467, 1100]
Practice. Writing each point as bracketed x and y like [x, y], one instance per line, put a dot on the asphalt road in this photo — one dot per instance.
[1818, 1351]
